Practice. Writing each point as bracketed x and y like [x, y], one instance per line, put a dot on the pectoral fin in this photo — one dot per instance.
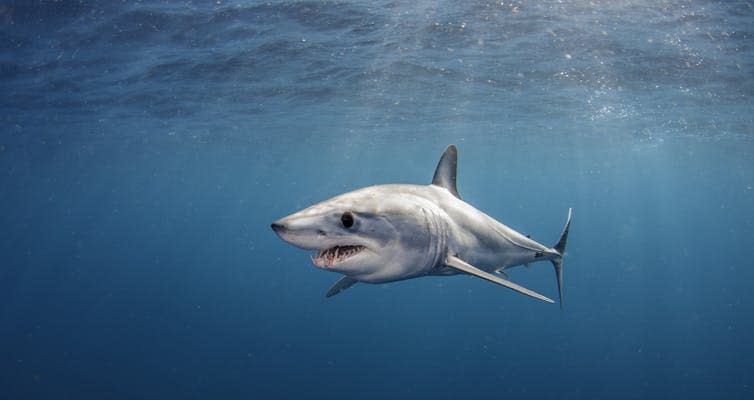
[341, 285]
[463, 266]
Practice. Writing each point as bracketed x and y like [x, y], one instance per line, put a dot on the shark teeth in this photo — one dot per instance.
[329, 257]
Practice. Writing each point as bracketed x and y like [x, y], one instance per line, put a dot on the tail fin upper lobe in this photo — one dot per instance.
[558, 262]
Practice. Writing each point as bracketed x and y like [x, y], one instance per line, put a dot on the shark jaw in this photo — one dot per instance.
[331, 257]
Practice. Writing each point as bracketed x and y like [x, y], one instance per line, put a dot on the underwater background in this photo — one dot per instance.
[146, 146]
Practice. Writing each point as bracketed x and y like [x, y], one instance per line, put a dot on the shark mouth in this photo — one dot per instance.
[329, 257]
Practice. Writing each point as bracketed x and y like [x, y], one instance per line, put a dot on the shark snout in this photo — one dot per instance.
[278, 227]
[297, 232]
[284, 231]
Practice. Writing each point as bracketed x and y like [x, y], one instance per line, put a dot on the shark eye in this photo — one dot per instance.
[347, 219]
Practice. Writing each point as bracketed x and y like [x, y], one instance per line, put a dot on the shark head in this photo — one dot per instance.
[376, 234]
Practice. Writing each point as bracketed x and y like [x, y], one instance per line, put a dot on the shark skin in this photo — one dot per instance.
[394, 232]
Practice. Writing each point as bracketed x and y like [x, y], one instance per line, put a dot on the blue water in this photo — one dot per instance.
[146, 147]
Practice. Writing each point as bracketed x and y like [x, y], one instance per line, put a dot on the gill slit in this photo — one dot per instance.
[437, 231]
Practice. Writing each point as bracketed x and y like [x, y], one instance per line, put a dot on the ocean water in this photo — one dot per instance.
[145, 147]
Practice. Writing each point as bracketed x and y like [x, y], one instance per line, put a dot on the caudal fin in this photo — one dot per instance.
[558, 261]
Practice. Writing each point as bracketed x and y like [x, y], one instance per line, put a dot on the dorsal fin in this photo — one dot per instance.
[445, 173]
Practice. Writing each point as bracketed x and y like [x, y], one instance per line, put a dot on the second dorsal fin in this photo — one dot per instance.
[445, 173]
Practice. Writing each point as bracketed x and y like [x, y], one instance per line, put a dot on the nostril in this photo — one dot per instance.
[277, 227]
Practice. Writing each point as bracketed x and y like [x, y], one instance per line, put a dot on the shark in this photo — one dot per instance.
[394, 232]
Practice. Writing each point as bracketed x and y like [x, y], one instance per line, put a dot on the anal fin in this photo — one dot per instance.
[463, 266]
[341, 285]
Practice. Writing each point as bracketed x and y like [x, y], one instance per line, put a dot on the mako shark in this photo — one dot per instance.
[394, 232]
